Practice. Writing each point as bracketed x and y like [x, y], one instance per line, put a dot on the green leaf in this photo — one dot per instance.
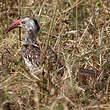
[98, 3]
[60, 107]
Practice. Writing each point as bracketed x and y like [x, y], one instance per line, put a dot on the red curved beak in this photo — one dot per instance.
[14, 25]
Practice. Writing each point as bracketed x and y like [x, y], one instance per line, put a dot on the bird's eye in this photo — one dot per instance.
[23, 22]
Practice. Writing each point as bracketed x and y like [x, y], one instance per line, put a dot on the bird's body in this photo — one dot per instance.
[31, 52]
[31, 55]
[32, 58]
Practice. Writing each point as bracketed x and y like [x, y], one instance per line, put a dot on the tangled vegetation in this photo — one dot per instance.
[79, 33]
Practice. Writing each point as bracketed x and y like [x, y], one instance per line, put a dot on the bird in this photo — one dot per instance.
[32, 53]
[30, 50]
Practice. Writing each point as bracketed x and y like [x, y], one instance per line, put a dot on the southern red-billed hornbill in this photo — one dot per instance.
[30, 50]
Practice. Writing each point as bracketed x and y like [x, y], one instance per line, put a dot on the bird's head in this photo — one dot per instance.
[28, 23]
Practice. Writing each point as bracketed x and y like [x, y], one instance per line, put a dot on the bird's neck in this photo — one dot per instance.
[30, 38]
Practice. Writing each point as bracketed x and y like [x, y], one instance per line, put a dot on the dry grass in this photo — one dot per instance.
[79, 32]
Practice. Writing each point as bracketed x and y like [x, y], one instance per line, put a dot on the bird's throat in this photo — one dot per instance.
[30, 38]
